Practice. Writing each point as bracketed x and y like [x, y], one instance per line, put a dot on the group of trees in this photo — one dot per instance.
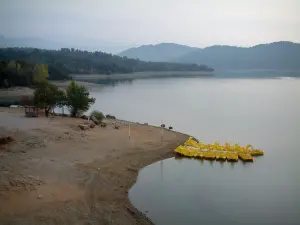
[21, 73]
[67, 61]
[76, 97]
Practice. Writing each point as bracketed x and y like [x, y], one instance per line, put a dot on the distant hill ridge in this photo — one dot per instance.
[164, 52]
[283, 55]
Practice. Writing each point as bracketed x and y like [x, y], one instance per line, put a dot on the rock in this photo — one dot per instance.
[131, 211]
[40, 196]
[94, 119]
[5, 140]
[117, 127]
[84, 117]
[145, 123]
[103, 124]
[83, 126]
[90, 123]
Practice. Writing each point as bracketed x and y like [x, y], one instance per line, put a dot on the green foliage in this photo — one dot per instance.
[108, 116]
[57, 72]
[21, 73]
[47, 96]
[98, 115]
[77, 98]
[40, 73]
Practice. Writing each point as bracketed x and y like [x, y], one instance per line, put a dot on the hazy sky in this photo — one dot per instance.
[134, 22]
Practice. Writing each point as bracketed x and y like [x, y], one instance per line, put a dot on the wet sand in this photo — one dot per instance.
[55, 173]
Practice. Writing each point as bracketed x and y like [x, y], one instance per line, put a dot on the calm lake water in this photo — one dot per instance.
[261, 112]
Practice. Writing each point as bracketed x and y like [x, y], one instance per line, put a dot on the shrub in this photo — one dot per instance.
[78, 99]
[98, 115]
[108, 116]
[47, 96]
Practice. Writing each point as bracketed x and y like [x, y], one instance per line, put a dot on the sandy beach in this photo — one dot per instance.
[55, 173]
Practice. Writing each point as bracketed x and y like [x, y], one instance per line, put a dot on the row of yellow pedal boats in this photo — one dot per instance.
[216, 151]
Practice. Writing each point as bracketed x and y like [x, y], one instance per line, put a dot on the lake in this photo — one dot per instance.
[261, 112]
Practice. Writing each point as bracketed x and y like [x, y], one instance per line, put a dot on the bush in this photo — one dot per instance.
[98, 115]
[47, 96]
[78, 99]
[108, 116]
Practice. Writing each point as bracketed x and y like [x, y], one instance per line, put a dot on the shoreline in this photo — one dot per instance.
[90, 185]
[13, 95]
[98, 78]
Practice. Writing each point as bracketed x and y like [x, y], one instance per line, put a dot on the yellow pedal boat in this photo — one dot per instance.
[256, 152]
[245, 157]
[210, 155]
[233, 157]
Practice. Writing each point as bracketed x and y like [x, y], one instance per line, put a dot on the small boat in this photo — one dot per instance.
[210, 155]
[218, 155]
[191, 142]
[245, 157]
[201, 154]
[221, 156]
[179, 149]
[196, 153]
[256, 152]
[233, 157]
[195, 149]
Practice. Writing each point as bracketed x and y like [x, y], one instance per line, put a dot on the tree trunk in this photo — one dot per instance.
[74, 112]
[47, 112]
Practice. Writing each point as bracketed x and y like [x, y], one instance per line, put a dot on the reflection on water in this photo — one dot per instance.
[108, 81]
[188, 191]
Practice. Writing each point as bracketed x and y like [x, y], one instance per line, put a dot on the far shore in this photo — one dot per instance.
[142, 75]
[65, 84]
[55, 173]
[12, 96]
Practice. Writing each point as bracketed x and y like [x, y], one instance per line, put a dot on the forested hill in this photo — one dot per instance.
[281, 55]
[164, 52]
[81, 62]
[274, 56]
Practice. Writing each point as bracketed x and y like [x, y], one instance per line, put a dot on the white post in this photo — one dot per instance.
[89, 116]
[129, 133]
[162, 132]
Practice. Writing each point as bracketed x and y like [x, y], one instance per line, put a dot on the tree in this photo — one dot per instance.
[40, 73]
[77, 98]
[68, 61]
[47, 96]
[21, 73]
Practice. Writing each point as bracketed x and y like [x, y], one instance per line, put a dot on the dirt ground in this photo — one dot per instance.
[55, 173]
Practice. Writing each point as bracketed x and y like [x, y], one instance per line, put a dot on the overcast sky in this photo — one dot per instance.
[134, 22]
